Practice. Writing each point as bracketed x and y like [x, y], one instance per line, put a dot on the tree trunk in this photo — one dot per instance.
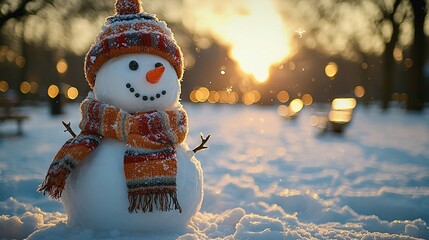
[389, 62]
[389, 65]
[416, 81]
[24, 53]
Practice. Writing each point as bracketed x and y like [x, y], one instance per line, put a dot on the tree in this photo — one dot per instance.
[416, 80]
[384, 21]
[388, 61]
[20, 9]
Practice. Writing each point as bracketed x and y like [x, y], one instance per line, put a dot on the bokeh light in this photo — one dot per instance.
[213, 97]
[397, 54]
[53, 91]
[257, 95]
[232, 98]
[248, 98]
[251, 97]
[359, 91]
[193, 97]
[223, 96]
[283, 96]
[4, 86]
[62, 66]
[343, 103]
[282, 110]
[340, 116]
[202, 94]
[307, 99]
[25, 87]
[331, 69]
[72, 93]
[296, 105]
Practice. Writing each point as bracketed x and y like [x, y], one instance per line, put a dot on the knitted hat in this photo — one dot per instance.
[131, 30]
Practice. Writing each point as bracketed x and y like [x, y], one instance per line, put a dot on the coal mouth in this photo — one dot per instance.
[145, 97]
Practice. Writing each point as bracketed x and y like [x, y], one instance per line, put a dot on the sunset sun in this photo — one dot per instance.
[257, 40]
[254, 34]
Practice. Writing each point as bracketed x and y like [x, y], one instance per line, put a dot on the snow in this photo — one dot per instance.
[265, 177]
[113, 22]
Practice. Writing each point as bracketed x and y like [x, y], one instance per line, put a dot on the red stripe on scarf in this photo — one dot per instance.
[145, 158]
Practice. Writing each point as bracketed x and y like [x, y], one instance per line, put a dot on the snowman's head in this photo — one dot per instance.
[135, 62]
[138, 83]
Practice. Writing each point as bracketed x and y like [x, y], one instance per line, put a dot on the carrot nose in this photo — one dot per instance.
[155, 74]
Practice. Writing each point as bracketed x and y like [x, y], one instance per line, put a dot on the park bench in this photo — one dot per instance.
[8, 112]
[339, 117]
[292, 111]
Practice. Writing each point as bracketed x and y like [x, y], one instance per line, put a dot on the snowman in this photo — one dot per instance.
[130, 169]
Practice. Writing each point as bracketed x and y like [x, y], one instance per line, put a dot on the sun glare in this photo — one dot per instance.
[255, 33]
[258, 39]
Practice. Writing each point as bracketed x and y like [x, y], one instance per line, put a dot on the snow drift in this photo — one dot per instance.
[265, 177]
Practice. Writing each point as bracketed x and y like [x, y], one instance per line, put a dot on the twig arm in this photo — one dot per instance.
[202, 146]
[68, 128]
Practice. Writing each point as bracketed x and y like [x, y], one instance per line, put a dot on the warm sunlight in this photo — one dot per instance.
[261, 41]
[255, 33]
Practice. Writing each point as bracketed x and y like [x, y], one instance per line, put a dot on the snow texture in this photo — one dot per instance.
[265, 177]
[117, 20]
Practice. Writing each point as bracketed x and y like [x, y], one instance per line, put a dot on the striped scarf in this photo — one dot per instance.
[150, 164]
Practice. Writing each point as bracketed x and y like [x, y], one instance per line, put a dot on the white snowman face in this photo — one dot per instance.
[138, 83]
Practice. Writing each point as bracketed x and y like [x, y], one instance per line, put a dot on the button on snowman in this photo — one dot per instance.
[129, 168]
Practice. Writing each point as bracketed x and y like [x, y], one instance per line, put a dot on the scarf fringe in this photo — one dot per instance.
[54, 182]
[145, 201]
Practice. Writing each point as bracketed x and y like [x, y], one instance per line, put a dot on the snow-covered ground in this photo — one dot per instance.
[265, 177]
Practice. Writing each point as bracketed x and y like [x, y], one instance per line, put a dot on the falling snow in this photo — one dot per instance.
[300, 32]
[228, 89]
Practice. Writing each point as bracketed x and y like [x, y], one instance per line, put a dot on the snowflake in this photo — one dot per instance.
[300, 32]
[228, 89]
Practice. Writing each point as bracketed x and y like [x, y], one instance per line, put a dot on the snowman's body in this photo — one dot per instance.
[95, 194]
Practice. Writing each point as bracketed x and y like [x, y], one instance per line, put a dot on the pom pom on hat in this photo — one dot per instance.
[132, 31]
[128, 7]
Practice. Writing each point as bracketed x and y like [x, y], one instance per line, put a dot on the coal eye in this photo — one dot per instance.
[134, 65]
[158, 64]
